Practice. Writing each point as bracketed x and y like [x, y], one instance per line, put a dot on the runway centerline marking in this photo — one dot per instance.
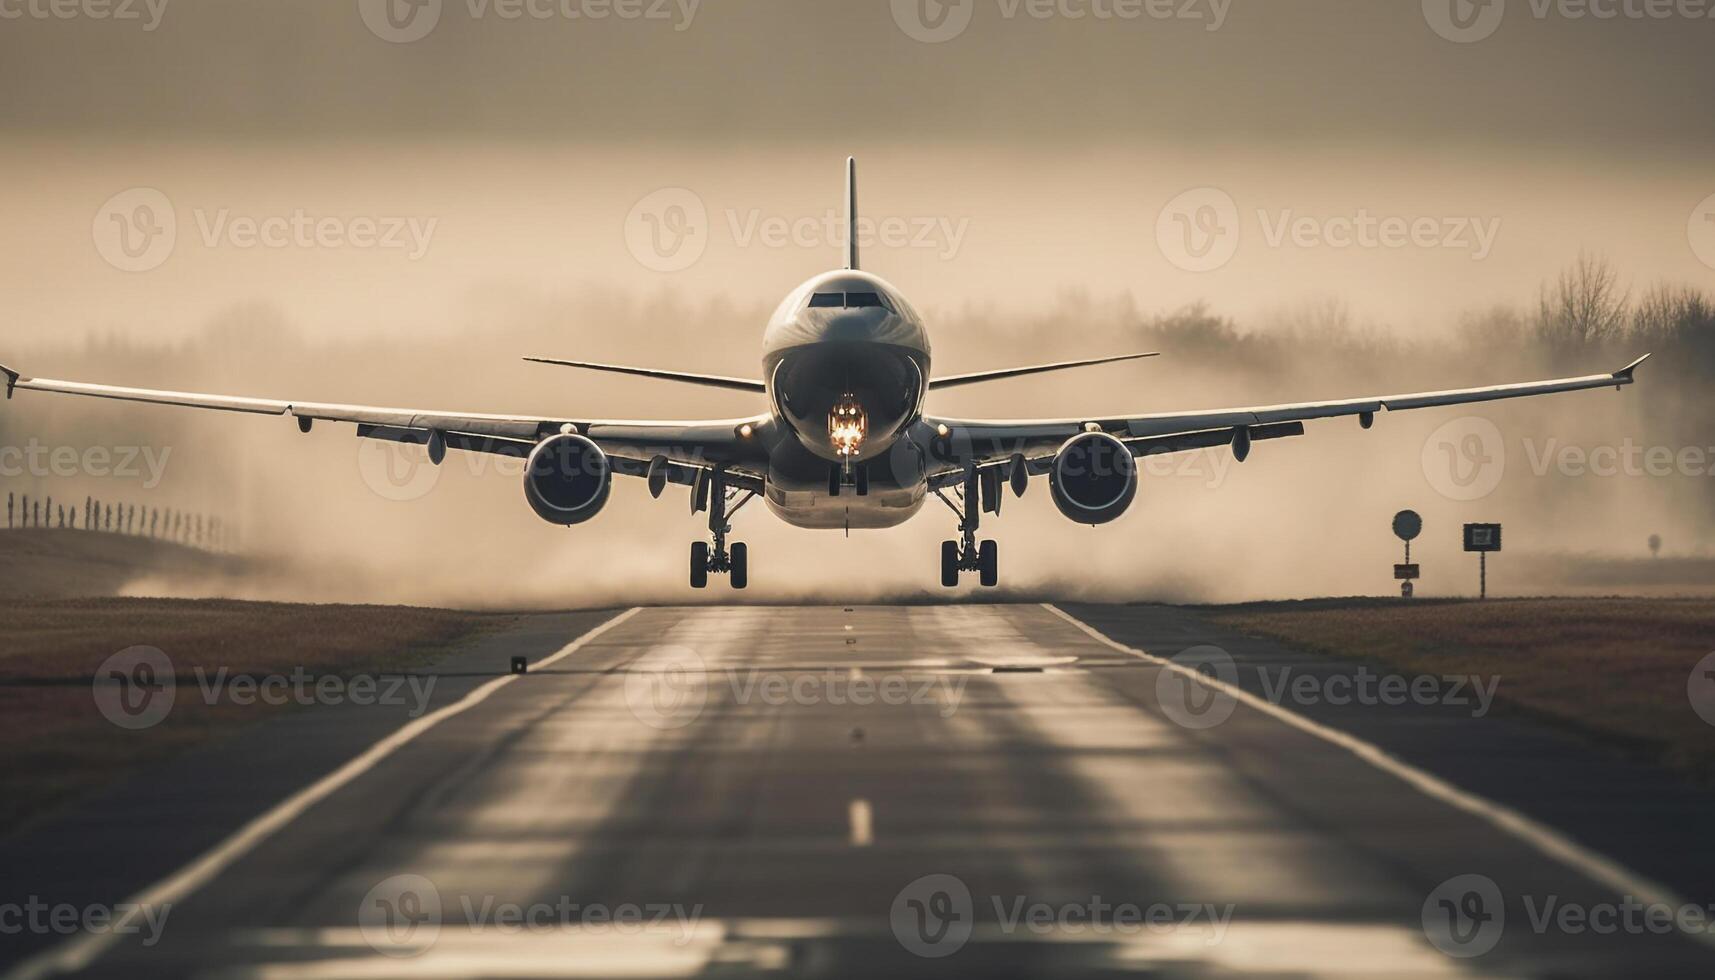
[1546, 840]
[860, 818]
[79, 953]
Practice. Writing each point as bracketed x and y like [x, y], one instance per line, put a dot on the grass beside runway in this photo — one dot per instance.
[1614, 669]
[58, 742]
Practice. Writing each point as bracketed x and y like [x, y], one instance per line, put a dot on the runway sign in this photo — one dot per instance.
[1482, 537]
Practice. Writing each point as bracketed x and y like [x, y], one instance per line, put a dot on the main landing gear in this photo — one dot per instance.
[712, 494]
[968, 554]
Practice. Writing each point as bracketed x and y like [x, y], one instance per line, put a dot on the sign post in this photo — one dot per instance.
[1406, 525]
[1482, 538]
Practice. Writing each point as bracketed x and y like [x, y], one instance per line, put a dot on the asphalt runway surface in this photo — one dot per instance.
[936, 790]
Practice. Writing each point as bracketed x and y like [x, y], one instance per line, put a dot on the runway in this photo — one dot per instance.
[973, 790]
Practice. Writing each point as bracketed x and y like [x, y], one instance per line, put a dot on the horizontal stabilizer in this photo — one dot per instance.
[975, 377]
[707, 380]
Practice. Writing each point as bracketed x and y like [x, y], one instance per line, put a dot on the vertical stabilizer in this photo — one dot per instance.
[851, 213]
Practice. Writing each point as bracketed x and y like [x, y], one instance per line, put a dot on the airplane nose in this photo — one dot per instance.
[853, 326]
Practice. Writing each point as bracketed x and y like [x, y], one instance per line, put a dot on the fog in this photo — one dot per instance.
[334, 517]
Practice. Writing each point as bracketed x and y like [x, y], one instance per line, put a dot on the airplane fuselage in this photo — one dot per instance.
[846, 362]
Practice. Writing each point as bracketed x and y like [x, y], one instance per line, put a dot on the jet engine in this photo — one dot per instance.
[1093, 478]
[567, 479]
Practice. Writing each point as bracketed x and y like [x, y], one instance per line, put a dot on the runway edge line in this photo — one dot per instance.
[79, 953]
[1544, 839]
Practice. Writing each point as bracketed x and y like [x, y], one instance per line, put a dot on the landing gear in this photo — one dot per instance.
[722, 502]
[968, 554]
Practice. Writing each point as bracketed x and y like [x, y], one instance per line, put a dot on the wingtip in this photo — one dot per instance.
[1626, 372]
[12, 379]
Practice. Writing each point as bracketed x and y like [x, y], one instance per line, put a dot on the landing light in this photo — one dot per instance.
[847, 425]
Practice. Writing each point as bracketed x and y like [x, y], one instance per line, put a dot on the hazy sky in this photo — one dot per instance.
[1151, 72]
[1414, 160]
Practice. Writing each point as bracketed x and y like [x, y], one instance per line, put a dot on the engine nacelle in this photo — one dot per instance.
[567, 479]
[1093, 478]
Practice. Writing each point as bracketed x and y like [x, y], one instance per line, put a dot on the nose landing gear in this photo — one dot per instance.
[712, 493]
[968, 554]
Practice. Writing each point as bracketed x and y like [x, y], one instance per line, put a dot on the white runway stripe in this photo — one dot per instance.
[859, 817]
[79, 953]
[1544, 839]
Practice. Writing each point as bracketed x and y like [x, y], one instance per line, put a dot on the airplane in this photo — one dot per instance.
[845, 441]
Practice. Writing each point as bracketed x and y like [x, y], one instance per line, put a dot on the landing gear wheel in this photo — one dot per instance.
[949, 563]
[988, 564]
[740, 571]
[699, 564]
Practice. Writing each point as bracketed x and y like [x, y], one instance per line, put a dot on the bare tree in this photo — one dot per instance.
[1585, 305]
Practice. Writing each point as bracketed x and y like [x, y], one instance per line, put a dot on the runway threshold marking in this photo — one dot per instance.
[1543, 838]
[79, 953]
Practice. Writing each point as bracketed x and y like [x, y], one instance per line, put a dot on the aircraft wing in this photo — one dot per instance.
[691, 445]
[998, 440]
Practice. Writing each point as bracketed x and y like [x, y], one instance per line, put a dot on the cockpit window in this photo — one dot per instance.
[851, 301]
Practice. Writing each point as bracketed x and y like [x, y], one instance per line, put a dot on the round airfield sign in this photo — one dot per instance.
[1407, 525]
